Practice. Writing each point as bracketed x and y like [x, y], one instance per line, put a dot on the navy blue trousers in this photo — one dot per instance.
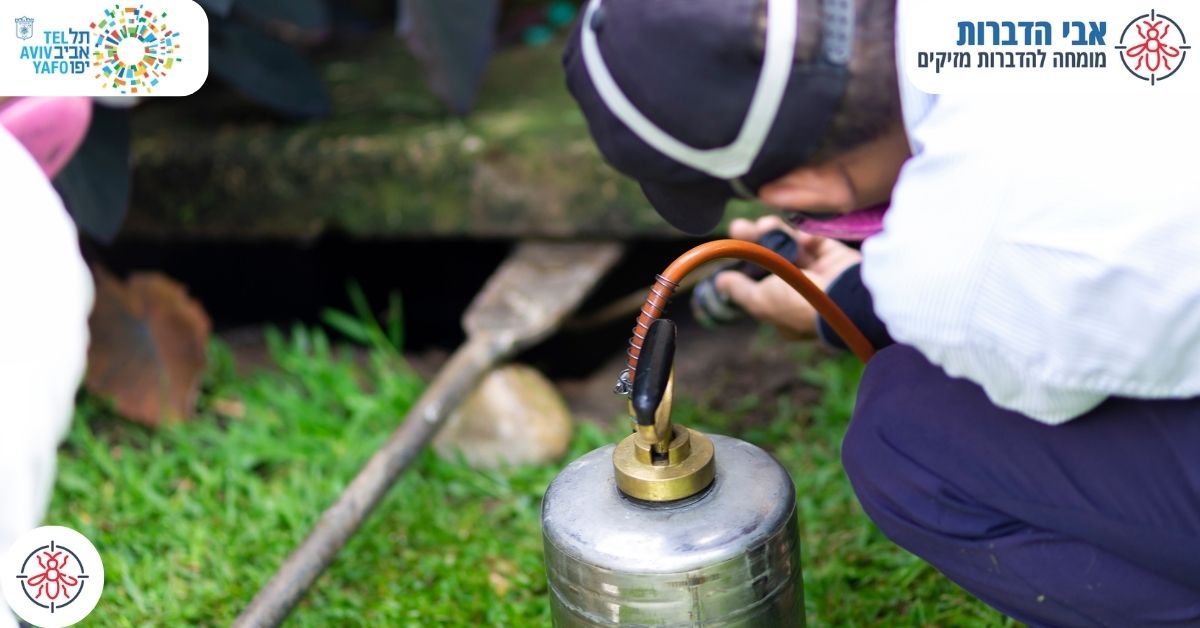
[1091, 523]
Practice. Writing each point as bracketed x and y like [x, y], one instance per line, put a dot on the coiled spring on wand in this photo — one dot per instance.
[653, 309]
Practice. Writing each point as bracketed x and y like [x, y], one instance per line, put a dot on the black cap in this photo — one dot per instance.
[682, 96]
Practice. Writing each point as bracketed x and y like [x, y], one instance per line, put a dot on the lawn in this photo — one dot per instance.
[191, 519]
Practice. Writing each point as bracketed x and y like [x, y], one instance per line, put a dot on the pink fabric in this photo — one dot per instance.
[51, 129]
[855, 226]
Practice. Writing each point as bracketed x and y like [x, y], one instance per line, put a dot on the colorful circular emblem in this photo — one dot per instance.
[52, 577]
[134, 49]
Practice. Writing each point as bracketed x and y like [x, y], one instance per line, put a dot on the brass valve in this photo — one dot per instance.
[660, 461]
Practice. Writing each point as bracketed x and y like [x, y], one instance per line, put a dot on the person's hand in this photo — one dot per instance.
[772, 300]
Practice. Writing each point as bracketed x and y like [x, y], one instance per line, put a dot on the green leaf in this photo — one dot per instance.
[347, 325]
[453, 40]
[267, 71]
[395, 320]
[362, 309]
[95, 184]
[363, 327]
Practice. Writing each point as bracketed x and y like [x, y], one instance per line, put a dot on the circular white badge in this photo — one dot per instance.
[52, 577]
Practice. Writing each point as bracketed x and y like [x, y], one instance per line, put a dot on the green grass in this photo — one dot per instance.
[191, 519]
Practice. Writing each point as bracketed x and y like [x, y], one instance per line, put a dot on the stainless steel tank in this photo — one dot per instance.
[678, 529]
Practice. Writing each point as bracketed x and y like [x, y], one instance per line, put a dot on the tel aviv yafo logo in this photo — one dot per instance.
[52, 577]
[1153, 47]
[134, 49]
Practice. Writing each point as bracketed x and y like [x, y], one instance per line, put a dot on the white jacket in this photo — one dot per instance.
[1047, 248]
[45, 298]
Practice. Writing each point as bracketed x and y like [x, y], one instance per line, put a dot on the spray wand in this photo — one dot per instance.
[666, 283]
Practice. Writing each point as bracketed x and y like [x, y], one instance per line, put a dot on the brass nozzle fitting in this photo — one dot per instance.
[660, 462]
[685, 468]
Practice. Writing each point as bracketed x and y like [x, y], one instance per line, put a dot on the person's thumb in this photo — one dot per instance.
[740, 289]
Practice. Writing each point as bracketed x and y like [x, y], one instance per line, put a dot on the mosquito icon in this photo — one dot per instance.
[52, 582]
[1153, 53]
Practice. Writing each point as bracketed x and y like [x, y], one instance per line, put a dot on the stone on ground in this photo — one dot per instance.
[514, 417]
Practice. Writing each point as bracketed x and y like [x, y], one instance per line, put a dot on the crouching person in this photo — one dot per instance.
[1031, 424]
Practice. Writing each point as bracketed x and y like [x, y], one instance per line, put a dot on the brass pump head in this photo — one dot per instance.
[660, 461]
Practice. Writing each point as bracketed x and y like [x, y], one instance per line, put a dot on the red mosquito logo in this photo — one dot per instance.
[52, 583]
[1159, 53]
[52, 576]
[1153, 52]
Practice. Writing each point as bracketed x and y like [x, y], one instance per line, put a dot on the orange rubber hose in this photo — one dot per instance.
[666, 283]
